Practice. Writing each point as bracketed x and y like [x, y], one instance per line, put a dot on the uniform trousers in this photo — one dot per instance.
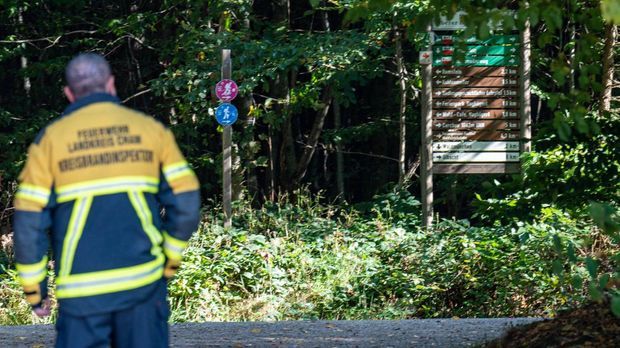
[143, 325]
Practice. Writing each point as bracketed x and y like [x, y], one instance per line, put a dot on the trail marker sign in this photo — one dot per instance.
[226, 90]
[226, 114]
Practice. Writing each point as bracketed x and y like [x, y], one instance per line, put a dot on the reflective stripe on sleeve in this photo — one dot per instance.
[104, 282]
[74, 233]
[173, 248]
[32, 274]
[146, 219]
[33, 193]
[177, 170]
[108, 186]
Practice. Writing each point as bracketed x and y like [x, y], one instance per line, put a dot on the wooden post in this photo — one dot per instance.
[524, 90]
[426, 168]
[227, 150]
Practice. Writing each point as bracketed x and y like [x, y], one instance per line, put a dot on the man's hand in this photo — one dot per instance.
[171, 268]
[38, 300]
[43, 308]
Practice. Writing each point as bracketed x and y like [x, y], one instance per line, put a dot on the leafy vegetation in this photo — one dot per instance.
[308, 260]
[319, 100]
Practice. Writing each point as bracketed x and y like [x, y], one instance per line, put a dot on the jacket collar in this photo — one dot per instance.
[91, 99]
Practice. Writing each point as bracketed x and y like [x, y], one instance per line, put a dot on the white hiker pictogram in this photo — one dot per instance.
[227, 89]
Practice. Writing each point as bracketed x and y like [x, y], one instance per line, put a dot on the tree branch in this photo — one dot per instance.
[51, 39]
[315, 133]
[136, 95]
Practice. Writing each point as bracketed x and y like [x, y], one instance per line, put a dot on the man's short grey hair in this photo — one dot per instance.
[87, 73]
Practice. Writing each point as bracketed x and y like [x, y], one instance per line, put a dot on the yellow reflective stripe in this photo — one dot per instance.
[176, 171]
[173, 248]
[174, 166]
[108, 186]
[104, 282]
[146, 219]
[74, 233]
[179, 174]
[32, 273]
[33, 193]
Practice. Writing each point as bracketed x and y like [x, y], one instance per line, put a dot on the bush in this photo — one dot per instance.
[308, 260]
[311, 261]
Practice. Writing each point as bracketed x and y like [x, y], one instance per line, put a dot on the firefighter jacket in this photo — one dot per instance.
[98, 178]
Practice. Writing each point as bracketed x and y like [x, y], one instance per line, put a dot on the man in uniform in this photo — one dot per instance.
[98, 178]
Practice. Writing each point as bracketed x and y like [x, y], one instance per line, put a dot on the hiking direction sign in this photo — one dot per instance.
[476, 101]
[226, 114]
[226, 90]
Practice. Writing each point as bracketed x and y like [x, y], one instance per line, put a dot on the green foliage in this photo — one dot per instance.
[611, 10]
[307, 260]
[568, 175]
[14, 310]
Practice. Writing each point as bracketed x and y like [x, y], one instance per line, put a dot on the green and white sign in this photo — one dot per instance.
[477, 61]
[480, 157]
[476, 50]
[450, 39]
[475, 146]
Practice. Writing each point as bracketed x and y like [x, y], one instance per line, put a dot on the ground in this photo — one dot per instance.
[385, 333]
[590, 326]
[593, 325]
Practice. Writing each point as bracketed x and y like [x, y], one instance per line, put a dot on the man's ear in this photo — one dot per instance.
[110, 88]
[69, 94]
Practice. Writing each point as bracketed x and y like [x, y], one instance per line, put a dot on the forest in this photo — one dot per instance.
[326, 154]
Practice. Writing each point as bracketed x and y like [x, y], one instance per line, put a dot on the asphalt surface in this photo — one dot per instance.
[365, 333]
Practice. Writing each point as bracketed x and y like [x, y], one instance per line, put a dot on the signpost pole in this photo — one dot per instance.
[226, 149]
[426, 151]
[524, 90]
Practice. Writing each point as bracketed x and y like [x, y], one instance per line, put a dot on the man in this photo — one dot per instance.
[97, 178]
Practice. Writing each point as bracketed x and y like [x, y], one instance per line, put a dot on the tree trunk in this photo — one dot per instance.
[288, 157]
[571, 54]
[339, 156]
[248, 144]
[24, 59]
[402, 139]
[608, 66]
[271, 169]
[325, 19]
[281, 11]
[313, 138]
[279, 90]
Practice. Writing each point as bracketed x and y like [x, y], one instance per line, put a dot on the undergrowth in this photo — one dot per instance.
[308, 260]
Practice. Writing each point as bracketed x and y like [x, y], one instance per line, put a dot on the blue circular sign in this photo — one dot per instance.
[226, 114]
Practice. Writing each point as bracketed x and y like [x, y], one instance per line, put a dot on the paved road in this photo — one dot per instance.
[370, 333]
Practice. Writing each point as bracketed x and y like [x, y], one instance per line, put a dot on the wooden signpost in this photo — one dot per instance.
[476, 117]
[226, 115]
